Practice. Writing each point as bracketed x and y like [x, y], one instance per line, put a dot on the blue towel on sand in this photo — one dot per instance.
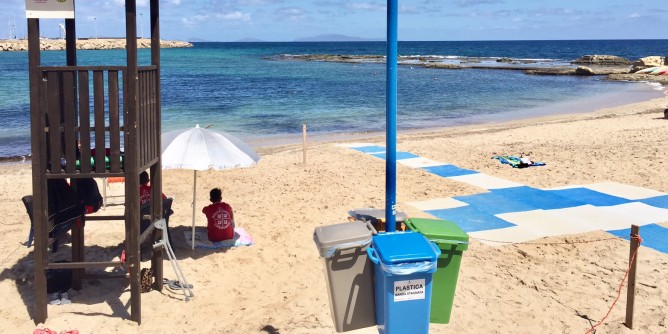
[516, 162]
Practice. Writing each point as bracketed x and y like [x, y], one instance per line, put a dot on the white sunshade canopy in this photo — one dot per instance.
[203, 149]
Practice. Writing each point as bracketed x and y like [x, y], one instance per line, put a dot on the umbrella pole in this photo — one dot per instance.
[194, 202]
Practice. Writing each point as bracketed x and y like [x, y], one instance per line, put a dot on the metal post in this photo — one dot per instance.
[391, 117]
[194, 203]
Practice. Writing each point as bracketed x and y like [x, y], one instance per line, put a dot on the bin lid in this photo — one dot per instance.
[340, 234]
[371, 214]
[403, 247]
[439, 231]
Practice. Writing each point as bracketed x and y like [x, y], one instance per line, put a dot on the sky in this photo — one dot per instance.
[419, 20]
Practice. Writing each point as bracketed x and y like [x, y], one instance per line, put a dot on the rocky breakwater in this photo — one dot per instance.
[616, 68]
[589, 65]
[87, 44]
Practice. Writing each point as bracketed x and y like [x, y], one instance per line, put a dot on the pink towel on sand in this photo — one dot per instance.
[241, 238]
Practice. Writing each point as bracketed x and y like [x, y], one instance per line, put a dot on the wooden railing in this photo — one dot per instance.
[149, 116]
[84, 128]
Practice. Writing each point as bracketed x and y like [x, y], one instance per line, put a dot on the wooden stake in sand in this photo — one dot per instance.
[631, 289]
[304, 141]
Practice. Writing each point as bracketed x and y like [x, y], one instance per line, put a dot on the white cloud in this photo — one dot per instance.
[140, 3]
[259, 2]
[291, 13]
[556, 12]
[234, 16]
[193, 20]
[403, 9]
[469, 3]
[367, 6]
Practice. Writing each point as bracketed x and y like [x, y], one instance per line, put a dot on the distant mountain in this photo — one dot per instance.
[335, 38]
[249, 40]
[196, 40]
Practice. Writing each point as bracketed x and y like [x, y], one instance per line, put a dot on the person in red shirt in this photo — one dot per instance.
[145, 189]
[219, 216]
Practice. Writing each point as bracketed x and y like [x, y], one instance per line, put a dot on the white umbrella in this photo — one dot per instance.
[202, 149]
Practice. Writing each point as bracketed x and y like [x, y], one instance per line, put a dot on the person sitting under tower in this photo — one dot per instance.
[145, 189]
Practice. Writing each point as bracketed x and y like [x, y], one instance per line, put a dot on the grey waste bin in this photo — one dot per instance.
[349, 273]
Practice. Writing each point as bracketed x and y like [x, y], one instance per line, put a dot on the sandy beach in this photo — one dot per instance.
[562, 284]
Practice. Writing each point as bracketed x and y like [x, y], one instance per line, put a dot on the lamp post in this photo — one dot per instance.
[141, 24]
[95, 23]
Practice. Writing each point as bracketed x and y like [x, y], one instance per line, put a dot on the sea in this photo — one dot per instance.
[242, 89]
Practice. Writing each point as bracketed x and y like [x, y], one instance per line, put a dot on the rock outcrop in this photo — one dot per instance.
[442, 65]
[551, 71]
[602, 60]
[580, 70]
[662, 79]
[584, 70]
[647, 62]
[87, 44]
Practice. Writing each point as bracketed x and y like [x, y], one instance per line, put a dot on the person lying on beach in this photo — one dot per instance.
[517, 162]
[525, 161]
[219, 217]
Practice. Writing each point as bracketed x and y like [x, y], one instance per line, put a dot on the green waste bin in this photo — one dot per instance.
[452, 241]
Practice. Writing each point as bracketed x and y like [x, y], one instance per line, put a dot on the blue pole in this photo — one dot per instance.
[391, 117]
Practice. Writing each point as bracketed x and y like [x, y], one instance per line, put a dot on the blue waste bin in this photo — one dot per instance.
[403, 265]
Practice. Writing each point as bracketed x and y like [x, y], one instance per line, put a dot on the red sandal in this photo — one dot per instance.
[43, 331]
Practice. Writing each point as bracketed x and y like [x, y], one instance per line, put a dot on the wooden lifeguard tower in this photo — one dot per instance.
[114, 110]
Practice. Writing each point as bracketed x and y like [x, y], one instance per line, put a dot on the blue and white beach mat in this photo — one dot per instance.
[509, 212]
[241, 238]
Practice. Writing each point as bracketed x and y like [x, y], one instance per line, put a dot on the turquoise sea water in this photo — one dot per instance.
[241, 90]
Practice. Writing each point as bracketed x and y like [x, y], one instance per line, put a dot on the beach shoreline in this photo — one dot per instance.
[558, 110]
[559, 284]
[565, 109]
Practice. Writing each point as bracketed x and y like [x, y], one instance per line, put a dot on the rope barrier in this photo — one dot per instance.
[548, 243]
[10, 254]
[621, 285]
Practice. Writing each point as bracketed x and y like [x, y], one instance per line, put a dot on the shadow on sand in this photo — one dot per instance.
[99, 286]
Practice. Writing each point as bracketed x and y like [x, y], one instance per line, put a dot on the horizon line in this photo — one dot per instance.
[197, 40]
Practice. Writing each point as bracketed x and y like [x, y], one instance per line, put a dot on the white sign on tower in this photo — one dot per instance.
[50, 9]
